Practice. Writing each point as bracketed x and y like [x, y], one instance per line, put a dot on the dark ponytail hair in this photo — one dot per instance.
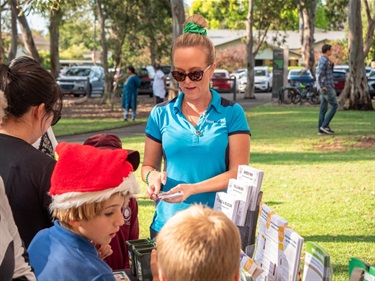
[131, 68]
[25, 83]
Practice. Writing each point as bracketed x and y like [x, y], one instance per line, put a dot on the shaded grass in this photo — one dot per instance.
[68, 126]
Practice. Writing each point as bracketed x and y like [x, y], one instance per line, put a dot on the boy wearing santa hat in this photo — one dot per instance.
[89, 189]
[119, 259]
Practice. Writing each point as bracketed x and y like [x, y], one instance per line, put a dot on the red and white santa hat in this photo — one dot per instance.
[85, 174]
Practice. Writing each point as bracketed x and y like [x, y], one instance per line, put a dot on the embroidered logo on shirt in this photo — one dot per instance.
[127, 215]
[220, 121]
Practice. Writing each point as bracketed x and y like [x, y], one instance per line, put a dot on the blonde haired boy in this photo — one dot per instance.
[198, 244]
[89, 189]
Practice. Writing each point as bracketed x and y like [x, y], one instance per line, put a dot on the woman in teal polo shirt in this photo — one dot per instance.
[201, 136]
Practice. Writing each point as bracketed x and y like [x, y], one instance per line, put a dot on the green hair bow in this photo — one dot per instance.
[191, 27]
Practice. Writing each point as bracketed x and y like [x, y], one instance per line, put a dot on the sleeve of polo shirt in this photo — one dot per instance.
[237, 122]
[153, 125]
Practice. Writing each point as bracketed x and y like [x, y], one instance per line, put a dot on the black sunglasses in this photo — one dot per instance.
[193, 76]
[56, 117]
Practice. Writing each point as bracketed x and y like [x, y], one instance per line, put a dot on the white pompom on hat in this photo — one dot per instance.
[86, 174]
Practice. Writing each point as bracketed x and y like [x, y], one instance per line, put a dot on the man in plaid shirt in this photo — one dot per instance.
[327, 91]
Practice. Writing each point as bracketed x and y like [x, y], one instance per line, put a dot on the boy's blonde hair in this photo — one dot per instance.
[196, 40]
[199, 244]
[84, 212]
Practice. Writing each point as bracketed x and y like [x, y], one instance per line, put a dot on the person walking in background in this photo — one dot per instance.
[201, 136]
[326, 90]
[30, 102]
[208, 246]
[159, 86]
[130, 93]
[119, 259]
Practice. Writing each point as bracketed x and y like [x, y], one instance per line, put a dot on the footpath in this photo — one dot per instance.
[139, 128]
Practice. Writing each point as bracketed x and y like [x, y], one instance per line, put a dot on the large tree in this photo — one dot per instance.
[14, 37]
[262, 16]
[356, 87]
[55, 20]
[256, 15]
[178, 19]
[307, 11]
[27, 37]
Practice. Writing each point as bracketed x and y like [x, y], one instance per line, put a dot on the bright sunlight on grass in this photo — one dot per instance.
[323, 185]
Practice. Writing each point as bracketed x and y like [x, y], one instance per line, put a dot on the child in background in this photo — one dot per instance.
[89, 189]
[197, 244]
[119, 259]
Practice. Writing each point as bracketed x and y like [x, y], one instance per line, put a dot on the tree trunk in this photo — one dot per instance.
[359, 98]
[27, 36]
[104, 59]
[55, 19]
[2, 52]
[13, 44]
[250, 58]
[307, 37]
[371, 28]
[178, 19]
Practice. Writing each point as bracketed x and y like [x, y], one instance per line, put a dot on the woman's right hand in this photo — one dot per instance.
[156, 180]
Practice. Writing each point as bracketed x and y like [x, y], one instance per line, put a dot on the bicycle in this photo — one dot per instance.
[287, 94]
[305, 92]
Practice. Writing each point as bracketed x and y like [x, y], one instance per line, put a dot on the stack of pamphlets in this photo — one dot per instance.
[290, 247]
[278, 248]
[241, 195]
[250, 268]
[317, 264]
[254, 178]
[227, 204]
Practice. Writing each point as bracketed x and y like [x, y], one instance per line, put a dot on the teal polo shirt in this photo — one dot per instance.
[193, 153]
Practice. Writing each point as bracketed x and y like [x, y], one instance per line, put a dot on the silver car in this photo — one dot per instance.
[82, 81]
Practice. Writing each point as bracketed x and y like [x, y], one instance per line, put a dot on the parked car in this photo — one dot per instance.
[82, 81]
[167, 72]
[339, 78]
[370, 73]
[221, 81]
[236, 73]
[371, 83]
[345, 68]
[298, 76]
[262, 79]
[146, 74]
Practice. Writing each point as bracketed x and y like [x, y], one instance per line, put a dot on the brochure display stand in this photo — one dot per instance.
[248, 230]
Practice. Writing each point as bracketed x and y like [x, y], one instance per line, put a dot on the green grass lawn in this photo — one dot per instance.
[68, 126]
[323, 185]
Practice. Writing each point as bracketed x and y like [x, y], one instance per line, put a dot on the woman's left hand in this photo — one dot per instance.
[184, 189]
